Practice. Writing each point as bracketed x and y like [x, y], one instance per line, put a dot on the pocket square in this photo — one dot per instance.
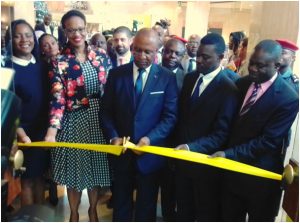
[157, 92]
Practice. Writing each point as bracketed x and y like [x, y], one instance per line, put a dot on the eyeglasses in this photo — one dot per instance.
[193, 43]
[73, 31]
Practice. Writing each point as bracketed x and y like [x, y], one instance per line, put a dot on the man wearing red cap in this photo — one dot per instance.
[288, 57]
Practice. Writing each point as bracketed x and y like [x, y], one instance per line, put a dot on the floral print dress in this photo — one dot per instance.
[79, 169]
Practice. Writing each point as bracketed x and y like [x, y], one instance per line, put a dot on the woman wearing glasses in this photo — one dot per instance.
[77, 84]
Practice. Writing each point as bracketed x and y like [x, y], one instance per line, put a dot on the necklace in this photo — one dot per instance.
[80, 57]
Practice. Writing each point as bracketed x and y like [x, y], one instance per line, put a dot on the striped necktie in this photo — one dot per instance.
[251, 100]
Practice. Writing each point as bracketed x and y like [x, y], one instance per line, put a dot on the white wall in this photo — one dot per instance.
[111, 14]
[25, 10]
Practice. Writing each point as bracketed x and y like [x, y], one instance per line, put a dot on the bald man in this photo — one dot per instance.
[140, 101]
[189, 60]
[173, 53]
[268, 108]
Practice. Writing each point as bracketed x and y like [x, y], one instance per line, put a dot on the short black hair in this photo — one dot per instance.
[214, 39]
[70, 14]
[237, 38]
[41, 39]
[172, 41]
[44, 35]
[271, 47]
[123, 29]
[245, 42]
[10, 32]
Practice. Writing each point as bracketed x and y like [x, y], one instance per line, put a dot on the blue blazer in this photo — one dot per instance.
[258, 137]
[154, 117]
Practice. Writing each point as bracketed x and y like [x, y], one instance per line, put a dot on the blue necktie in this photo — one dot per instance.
[251, 100]
[195, 94]
[139, 85]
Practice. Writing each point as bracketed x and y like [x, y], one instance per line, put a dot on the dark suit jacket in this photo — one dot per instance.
[154, 117]
[114, 61]
[257, 137]
[205, 125]
[231, 74]
[179, 77]
[42, 27]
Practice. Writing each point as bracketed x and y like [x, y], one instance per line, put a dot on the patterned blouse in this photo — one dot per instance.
[67, 82]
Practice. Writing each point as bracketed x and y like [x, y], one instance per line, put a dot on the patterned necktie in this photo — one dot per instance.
[190, 67]
[139, 85]
[195, 94]
[251, 100]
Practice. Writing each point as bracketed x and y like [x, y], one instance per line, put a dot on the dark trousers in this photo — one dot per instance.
[126, 179]
[168, 191]
[244, 194]
[198, 192]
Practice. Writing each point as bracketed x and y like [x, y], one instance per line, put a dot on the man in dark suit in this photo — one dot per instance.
[189, 60]
[269, 107]
[140, 101]
[46, 26]
[207, 105]
[173, 52]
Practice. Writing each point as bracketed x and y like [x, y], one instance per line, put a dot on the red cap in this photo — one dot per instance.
[179, 38]
[286, 44]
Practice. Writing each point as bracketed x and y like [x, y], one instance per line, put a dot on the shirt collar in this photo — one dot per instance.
[160, 49]
[211, 75]
[175, 70]
[264, 86]
[287, 73]
[135, 68]
[23, 62]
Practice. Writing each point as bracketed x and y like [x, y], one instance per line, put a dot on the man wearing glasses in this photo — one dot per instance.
[189, 60]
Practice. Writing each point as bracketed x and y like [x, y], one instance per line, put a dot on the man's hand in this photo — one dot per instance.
[218, 154]
[182, 147]
[145, 141]
[25, 139]
[116, 141]
[22, 136]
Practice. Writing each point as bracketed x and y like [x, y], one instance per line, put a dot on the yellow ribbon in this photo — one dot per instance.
[168, 152]
[115, 150]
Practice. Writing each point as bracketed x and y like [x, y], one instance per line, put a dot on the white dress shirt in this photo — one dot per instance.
[47, 29]
[206, 80]
[185, 63]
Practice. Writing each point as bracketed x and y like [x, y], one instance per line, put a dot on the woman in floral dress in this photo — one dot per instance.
[77, 84]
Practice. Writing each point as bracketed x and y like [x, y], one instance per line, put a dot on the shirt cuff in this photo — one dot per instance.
[188, 148]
